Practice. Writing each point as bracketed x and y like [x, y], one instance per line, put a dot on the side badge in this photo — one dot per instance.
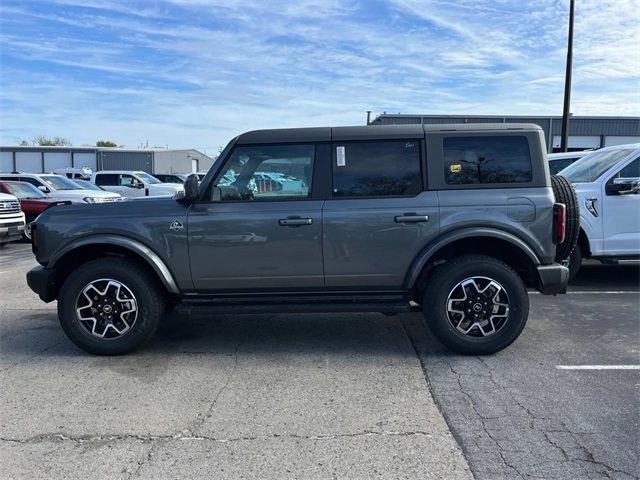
[176, 226]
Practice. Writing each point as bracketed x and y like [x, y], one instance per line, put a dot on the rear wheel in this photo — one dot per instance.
[26, 233]
[110, 306]
[564, 193]
[475, 304]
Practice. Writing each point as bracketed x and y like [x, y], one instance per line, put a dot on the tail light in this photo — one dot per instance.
[559, 222]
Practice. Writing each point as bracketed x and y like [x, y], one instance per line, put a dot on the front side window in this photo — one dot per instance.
[486, 159]
[126, 180]
[146, 178]
[267, 172]
[374, 169]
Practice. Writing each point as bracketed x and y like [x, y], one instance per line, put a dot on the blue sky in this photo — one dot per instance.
[194, 73]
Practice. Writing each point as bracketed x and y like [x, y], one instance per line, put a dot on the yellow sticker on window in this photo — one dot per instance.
[456, 168]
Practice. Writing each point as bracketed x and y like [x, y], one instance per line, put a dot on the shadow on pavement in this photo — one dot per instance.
[594, 276]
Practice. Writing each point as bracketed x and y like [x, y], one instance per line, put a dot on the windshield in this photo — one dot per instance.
[58, 182]
[591, 166]
[147, 178]
[86, 185]
[24, 190]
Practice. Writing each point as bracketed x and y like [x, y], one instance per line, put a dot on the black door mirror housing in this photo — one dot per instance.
[191, 185]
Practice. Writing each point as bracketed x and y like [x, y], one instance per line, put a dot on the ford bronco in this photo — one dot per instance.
[456, 221]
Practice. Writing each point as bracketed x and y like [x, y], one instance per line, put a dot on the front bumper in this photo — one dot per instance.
[552, 279]
[41, 281]
[11, 230]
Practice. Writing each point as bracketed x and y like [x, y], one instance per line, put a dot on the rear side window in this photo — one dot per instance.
[375, 169]
[488, 159]
[107, 179]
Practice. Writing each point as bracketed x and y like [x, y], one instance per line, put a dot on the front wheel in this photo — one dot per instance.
[110, 306]
[475, 304]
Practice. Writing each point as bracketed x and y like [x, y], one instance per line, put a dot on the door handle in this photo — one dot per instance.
[411, 218]
[295, 222]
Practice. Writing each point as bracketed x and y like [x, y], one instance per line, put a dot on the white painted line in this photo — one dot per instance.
[598, 367]
[594, 292]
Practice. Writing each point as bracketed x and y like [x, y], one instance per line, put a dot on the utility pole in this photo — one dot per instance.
[564, 144]
[368, 117]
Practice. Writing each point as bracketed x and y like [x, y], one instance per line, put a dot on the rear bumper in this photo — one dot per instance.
[552, 279]
[41, 281]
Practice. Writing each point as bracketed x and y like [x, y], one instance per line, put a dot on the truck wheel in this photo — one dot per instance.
[475, 305]
[575, 261]
[110, 306]
[565, 193]
[26, 233]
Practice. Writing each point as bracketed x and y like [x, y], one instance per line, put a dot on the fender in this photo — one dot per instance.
[450, 237]
[135, 246]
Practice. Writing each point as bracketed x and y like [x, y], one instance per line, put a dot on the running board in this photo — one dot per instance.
[298, 304]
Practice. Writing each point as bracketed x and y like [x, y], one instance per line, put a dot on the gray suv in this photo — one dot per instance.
[456, 221]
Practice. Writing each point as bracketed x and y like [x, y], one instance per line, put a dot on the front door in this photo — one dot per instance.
[259, 226]
[620, 217]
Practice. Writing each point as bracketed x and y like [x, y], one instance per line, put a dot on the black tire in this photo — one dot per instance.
[564, 193]
[144, 287]
[575, 261]
[26, 234]
[447, 277]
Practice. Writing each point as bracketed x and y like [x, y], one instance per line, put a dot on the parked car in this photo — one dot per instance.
[607, 183]
[133, 184]
[560, 161]
[384, 227]
[171, 177]
[11, 219]
[32, 202]
[60, 188]
[83, 173]
[87, 185]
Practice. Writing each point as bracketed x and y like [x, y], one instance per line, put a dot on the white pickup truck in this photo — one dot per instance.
[11, 219]
[607, 183]
[134, 184]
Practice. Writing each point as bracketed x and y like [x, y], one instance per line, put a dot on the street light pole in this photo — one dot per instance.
[567, 83]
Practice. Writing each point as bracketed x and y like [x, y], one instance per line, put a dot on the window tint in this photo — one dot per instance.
[556, 165]
[591, 166]
[107, 179]
[631, 171]
[267, 172]
[372, 169]
[476, 160]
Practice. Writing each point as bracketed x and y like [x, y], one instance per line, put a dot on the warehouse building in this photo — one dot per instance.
[47, 159]
[584, 132]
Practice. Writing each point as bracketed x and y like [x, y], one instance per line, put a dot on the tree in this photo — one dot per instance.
[43, 141]
[24, 143]
[105, 143]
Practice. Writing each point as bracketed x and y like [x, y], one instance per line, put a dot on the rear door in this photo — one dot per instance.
[246, 235]
[378, 217]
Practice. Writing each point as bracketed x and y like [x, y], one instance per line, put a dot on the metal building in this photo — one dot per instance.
[584, 132]
[47, 159]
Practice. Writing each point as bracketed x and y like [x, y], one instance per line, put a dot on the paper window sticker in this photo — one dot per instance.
[340, 157]
[455, 168]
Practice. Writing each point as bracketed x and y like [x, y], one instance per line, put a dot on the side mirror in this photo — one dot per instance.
[624, 186]
[191, 187]
[44, 189]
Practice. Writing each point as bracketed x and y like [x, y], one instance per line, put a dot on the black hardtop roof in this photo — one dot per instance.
[370, 132]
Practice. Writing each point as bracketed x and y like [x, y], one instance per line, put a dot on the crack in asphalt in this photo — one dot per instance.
[30, 357]
[517, 470]
[81, 439]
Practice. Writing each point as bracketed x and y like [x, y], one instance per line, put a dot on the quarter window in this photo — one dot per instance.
[477, 160]
[268, 172]
[374, 169]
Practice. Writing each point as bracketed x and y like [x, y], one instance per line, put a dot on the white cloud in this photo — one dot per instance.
[197, 72]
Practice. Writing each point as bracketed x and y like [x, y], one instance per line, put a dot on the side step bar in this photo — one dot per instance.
[297, 304]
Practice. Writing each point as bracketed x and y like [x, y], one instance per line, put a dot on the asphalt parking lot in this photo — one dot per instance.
[324, 396]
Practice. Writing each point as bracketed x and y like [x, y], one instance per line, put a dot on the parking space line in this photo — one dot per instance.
[593, 292]
[598, 367]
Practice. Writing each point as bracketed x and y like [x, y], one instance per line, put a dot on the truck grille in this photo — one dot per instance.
[10, 206]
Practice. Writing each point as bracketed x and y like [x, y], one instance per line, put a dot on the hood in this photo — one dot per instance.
[5, 197]
[80, 194]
